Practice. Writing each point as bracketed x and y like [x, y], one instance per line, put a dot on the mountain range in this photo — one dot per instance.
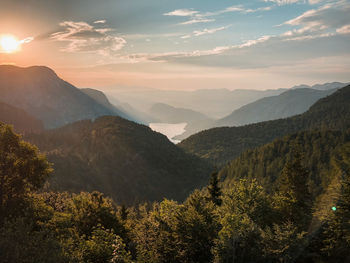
[219, 145]
[214, 103]
[287, 104]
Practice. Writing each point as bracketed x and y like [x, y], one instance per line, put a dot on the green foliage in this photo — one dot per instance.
[22, 170]
[283, 243]
[265, 163]
[177, 233]
[337, 229]
[294, 187]
[21, 241]
[214, 189]
[244, 212]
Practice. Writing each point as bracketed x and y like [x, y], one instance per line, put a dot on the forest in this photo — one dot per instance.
[246, 222]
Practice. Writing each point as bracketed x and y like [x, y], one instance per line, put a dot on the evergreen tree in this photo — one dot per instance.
[337, 230]
[295, 190]
[123, 213]
[214, 189]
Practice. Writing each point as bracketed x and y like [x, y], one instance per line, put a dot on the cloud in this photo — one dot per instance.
[283, 2]
[197, 20]
[344, 30]
[239, 9]
[205, 31]
[100, 22]
[331, 15]
[83, 37]
[26, 40]
[209, 31]
[182, 12]
[198, 17]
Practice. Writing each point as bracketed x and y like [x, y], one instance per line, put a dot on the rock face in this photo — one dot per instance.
[41, 93]
[21, 120]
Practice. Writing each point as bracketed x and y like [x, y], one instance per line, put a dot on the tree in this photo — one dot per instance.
[196, 229]
[123, 213]
[23, 242]
[337, 230]
[295, 191]
[214, 189]
[283, 243]
[22, 170]
[244, 212]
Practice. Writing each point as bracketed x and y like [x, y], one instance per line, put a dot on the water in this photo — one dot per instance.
[170, 130]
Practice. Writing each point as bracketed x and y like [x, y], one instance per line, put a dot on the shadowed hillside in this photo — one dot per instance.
[22, 121]
[125, 160]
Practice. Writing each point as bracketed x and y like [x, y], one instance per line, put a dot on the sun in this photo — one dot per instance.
[9, 44]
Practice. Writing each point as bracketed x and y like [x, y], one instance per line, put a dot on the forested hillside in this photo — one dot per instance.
[120, 158]
[243, 223]
[265, 163]
[220, 145]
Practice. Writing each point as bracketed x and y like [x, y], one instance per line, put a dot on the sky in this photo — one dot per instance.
[182, 44]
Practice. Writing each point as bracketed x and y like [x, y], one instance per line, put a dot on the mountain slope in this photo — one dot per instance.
[21, 120]
[220, 145]
[215, 103]
[289, 103]
[265, 163]
[41, 93]
[196, 121]
[325, 86]
[102, 99]
[125, 160]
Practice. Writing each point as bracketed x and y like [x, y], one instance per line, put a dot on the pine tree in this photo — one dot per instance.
[294, 187]
[214, 189]
[123, 213]
[337, 230]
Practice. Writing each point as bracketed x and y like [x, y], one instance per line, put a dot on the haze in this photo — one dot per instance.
[182, 45]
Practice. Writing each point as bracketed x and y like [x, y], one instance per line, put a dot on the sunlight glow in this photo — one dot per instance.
[9, 44]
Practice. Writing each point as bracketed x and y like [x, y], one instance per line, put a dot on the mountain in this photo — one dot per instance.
[196, 121]
[120, 158]
[325, 86]
[289, 103]
[215, 103]
[21, 120]
[220, 145]
[102, 99]
[139, 116]
[41, 93]
[266, 162]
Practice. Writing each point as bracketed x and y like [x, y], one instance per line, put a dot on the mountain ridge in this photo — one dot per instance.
[40, 92]
[220, 145]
